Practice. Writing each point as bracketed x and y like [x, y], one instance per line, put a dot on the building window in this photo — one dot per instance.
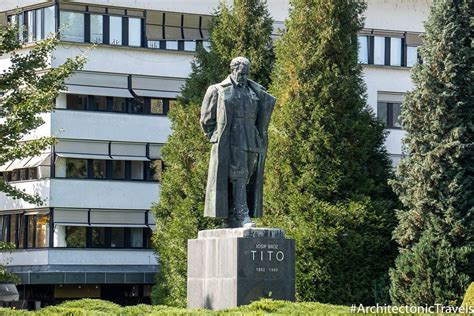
[32, 173]
[76, 168]
[75, 236]
[72, 26]
[39, 24]
[137, 170]
[134, 32]
[100, 103]
[7, 176]
[412, 56]
[119, 105]
[154, 44]
[76, 102]
[102, 237]
[23, 174]
[25, 231]
[21, 24]
[4, 221]
[30, 26]
[105, 169]
[379, 50]
[117, 237]
[156, 106]
[20, 174]
[389, 51]
[13, 19]
[13, 228]
[161, 106]
[136, 237]
[42, 231]
[97, 29]
[395, 51]
[49, 21]
[98, 237]
[15, 175]
[190, 46]
[115, 33]
[22, 224]
[363, 54]
[99, 169]
[137, 106]
[389, 113]
[31, 231]
[118, 169]
[172, 45]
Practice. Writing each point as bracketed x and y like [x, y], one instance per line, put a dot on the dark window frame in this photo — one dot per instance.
[387, 57]
[146, 235]
[79, 178]
[86, 27]
[5, 228]
[109, 171]
[7, 175]
[27, 225]
[35, 240]
[389, 119]
[90, 104]
[24, 12]
[76, 95]
[66, 236]
[106, 27]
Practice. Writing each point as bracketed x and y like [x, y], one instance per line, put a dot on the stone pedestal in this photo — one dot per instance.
[232, 267]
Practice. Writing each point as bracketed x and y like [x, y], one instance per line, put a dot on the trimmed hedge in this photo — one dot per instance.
[86, 307]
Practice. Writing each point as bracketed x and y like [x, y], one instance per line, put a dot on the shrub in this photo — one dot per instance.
[469, 296]
[87, 307]
[82, 307]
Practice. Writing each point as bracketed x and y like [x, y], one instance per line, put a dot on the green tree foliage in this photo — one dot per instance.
[327, 169]
[241, 30]
[436, 182]
[5, 275]
[29, 91]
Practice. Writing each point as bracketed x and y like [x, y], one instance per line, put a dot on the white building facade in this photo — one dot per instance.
[91, 238]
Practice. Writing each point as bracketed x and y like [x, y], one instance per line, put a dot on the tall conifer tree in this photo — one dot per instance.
[241, 30]
[436, 181]
[327, 168]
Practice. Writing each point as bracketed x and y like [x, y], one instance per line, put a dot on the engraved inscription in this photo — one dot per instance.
[265, 258]
[267, 253]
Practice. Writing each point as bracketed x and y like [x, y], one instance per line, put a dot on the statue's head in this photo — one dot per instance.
[240, 67]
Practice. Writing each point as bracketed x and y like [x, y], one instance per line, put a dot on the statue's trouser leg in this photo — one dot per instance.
[242, 167]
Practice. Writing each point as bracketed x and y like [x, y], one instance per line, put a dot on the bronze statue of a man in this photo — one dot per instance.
[234, 116]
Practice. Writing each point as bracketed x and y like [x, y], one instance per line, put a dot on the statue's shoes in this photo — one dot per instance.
[247, 222]
[231, 223]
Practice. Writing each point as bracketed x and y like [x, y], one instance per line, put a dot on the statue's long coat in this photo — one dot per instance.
[216, 121]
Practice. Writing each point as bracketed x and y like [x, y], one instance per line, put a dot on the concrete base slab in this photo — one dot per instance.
[232, 267]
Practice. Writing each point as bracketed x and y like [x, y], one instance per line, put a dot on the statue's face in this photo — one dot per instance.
[240, 74]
